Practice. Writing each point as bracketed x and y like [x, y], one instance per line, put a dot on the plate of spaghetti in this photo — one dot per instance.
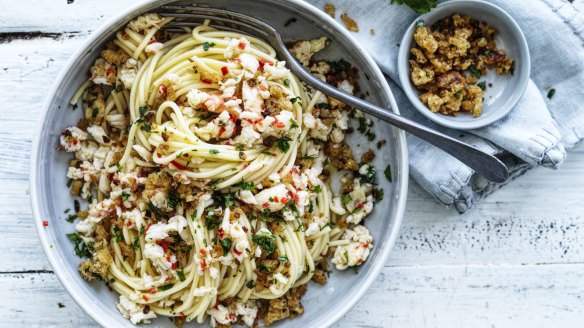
[188, 174]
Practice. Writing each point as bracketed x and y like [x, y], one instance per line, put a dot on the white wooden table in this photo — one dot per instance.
[515, 260]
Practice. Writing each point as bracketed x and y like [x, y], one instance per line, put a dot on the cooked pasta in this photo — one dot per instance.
[205, 164]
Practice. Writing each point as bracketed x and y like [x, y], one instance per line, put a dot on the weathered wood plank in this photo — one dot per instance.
[58, 16]
[520, 219]
[435, 296]
[515, 260]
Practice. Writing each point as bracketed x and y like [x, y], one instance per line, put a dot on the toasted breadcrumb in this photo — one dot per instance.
[98, 266]
[350, 24]
[448, 59]
[329, 8]
[286, 306]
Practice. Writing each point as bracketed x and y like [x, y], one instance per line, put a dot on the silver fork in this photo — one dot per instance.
[189, 16]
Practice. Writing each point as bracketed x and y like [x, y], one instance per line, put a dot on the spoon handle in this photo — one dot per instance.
[484, 164]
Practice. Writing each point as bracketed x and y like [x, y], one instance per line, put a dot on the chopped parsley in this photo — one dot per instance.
[340, 65]
[282, 259]
[378, 195]
[293, 124]
[250, 284]
[551, 93]
[266, 241]
[212, 221]
[369, 176]
[247, 185]
[482, 85]
[173, 199]
[181, 275]
[81, 249]
[296, 100]
[345, 199]
[214, 151]
[224, 200]
[119, 88]
[71, 217]
[317, 189]
[147, 126]
[381, 143]
[117, 236]
[136, 244]
[287, 82]
[387, 173]
[208, 45]
[226, 245]
[283, 144]
[125, 196]
[165, 287]
[475, 71]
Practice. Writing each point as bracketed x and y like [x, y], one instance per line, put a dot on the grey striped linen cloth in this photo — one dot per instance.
[536, 133]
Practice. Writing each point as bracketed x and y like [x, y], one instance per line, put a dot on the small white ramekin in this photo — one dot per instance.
[503, 91]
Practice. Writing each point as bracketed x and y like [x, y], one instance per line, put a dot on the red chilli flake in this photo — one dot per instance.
[285, 200]
[162, 90]
[264, 63]
[278, 124]
[266, 204]
[241, 45]
[221, 130]
[178, 166]
[145, 298]
[152, 291]
[236, 252]
[164, 244]
[147, 227]
[203, 264]
[45, 223]
[208, 81]
[224, 70]
[221, 234]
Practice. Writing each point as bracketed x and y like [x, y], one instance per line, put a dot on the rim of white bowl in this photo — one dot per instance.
[71, 287]
[447, 121]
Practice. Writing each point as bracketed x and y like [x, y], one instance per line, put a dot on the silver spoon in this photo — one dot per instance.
[484, 164]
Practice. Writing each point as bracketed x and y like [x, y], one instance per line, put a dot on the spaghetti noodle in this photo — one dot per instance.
[205, 164]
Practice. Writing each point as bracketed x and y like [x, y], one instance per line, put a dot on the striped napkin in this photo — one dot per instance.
[536, 133]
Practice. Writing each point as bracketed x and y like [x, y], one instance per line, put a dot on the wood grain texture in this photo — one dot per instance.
[517, 259]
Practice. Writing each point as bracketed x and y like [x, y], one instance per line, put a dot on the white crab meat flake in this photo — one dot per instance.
[222, 127]
[71, 138]
[196, 98]
[249, 63]
[133, 311]
[357, 250]
[160, 230]
[276, 72]
[274, 198]
[235, 47]
[252, 100]
[99, 134]
[153, 48]
[127, 74]
[226, 315]
[144, 22]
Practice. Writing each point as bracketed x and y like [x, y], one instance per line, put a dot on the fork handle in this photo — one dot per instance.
[484, 164]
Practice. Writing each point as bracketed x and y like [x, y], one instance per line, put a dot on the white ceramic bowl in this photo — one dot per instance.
[50, 197]
[506, 90]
